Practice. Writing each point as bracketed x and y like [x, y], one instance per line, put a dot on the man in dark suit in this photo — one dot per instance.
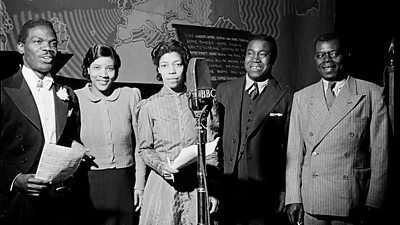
[256, 112]
[34, 111]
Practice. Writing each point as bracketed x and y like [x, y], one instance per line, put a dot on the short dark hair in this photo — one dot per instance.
[330, 37]
[23, 34]
[164, 47]
[270, 40]
[97, 51]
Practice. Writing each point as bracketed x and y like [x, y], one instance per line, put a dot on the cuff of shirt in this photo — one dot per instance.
[12, 183]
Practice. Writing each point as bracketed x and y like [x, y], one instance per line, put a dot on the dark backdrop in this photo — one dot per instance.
[368, 27]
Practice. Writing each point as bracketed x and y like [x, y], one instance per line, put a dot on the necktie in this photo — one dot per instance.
[253, 91]
[45, 83]
[330, 95]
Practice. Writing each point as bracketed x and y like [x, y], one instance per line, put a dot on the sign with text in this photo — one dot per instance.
[224, 49]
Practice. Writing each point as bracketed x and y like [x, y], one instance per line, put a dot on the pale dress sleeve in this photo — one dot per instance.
[146, 139]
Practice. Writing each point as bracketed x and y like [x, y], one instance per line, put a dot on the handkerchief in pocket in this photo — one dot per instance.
[275, 114]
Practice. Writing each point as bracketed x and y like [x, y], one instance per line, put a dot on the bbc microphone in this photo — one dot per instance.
[201, 95]
[198, 83]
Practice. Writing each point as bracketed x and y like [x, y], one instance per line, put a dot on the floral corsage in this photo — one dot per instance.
[63, 94]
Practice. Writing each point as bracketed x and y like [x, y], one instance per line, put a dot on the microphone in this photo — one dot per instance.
[198, 83]
[201, 95]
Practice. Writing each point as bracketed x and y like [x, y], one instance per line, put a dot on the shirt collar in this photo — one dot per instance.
[94, 98]
[31, 78]
[261, 85]
[338, 85]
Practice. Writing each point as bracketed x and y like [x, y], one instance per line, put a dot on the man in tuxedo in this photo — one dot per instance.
[256, 110]
[34, 111]
[338, 144]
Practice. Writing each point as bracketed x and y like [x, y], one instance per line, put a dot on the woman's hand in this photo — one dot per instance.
[137, 199]
[168, 171]
[214, 203]
[212, 159]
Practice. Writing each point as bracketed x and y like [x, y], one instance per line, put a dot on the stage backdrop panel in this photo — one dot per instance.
[224, 49]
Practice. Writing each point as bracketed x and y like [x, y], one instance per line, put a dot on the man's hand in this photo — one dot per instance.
[370, 216]
[137, 199]
[213, 204]
[281, 206]
[295, 213]
[28, 184]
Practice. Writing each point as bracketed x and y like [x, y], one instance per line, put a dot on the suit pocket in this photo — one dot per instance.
[358, 129]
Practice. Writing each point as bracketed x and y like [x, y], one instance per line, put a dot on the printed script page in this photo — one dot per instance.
[58, 163]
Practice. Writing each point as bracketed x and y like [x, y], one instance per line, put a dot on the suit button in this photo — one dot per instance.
[233, 140]
[19, 135]
[311, 134]
[231, 159]
[314, 175]
[24, 160]
[346, 155]
[314, 154]
[22, 148]
[345, 177]
[3, 213]
[351, 134]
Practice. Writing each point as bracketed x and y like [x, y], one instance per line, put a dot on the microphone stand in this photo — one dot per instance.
[203, 215]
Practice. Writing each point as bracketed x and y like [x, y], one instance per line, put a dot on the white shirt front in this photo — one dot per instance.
[336, 89]
[261, 85]
[45, 103]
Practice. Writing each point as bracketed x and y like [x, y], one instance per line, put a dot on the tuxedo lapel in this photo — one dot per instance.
[61, 112]
[19, 92]
[343, 104]
[267, 101]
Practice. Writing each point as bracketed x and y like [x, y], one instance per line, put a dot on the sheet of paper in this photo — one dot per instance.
[57, 163]
[188, 155]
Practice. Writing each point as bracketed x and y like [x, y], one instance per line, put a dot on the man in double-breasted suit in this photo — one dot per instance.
[338, 145]
[34, 111]
[255, 120]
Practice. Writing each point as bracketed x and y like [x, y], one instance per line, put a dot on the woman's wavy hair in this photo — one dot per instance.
[97, 51]
[164, 47]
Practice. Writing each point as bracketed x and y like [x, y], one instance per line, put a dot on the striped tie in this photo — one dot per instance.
[330, 95]
[253, 91]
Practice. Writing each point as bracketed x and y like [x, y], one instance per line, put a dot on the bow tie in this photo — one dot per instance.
[45, 83]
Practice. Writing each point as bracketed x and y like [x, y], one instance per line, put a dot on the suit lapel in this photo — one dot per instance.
[317, 105]
[61, 110]
[269, 98]
[344, 103]
[19, 92]
[237, 90]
